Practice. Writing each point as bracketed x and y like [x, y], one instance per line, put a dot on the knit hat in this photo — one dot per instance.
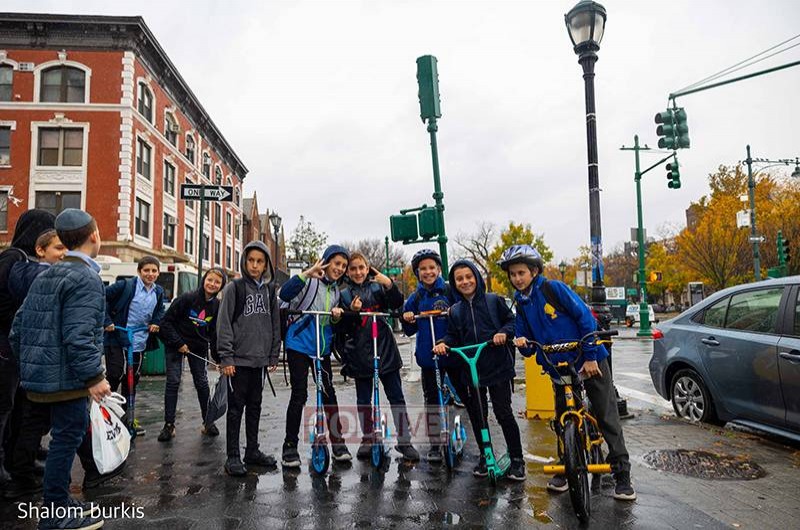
[72, 219]
[29, 227]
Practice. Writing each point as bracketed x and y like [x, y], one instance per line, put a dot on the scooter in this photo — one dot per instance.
[380, 427]
[130, 331]
[497, 468]
[452, 442]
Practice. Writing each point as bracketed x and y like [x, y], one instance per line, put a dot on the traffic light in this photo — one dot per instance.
[428, 223]
[784, 252]
[428, 81]
[681, 129]
[673, 130]
[403, 227]
[673, 175]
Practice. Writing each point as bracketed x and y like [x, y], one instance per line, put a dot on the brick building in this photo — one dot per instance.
[93, 114]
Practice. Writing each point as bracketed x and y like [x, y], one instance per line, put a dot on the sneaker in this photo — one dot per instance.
[93, 479]
[480, 469]
[210, 430]
[434, 455]
[234, 467]
[623, 490]
[407, 450]
[23, 486]
[517, 469]
[88, 509]
[341, 454]
[290, 456]
[72, 523]
[365, 449]
[167, 433]
[257, 458]
[558, 484]
[140, 431]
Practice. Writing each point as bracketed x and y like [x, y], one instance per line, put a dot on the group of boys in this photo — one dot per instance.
[63, 318]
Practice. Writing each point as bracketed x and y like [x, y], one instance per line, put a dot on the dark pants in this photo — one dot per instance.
[299, 365]
[9, 382]
[69, 425]
[174, 361]
[244, 397]
[393, 388]
[603, 399]
[116, 369]
[457, 376]
[501, 404]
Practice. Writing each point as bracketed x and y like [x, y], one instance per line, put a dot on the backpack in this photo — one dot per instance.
[551, 298]
[305, 303]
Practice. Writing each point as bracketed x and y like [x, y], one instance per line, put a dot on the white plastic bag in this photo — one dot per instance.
[111, 441]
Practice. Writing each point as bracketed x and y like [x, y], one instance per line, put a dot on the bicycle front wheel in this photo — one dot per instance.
[577, 473]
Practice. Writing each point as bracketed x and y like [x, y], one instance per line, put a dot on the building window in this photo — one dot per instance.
[188, 241]
[60, 147]
[171, 129]
[217, 252]
[237, 226]
[217, 176]
[206, 250]
[237, 258]
[145, 102]
[206, 165]
[228, 222]
[169, 178]
[63, 84]
[217, 215]
[228, 256]
[5, 146]
[6, 83]
[3, 210]
[190, 148]
[56, 201]
[169, 231]
[142, 223]
[143, 152]
[237, 197]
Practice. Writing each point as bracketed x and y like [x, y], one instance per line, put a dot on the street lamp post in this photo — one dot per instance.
[562, 268]
[275, 220]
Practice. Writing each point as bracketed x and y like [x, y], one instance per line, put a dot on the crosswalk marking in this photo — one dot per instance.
[642, 396]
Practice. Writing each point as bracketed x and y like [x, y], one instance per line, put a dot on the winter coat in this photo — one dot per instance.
[540, 321]
[354, 333]
[119, 296]
[192, 320]
[473, 322]
[438, 298]
[57, 334]
[249, 328]
[21, 278]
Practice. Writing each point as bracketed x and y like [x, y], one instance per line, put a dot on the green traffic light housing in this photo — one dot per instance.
[673, 175]
[681, 129]
[672, 130]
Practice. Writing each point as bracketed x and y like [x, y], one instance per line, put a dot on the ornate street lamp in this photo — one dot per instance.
[275, 220]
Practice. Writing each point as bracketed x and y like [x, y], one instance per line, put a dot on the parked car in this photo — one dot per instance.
[735, 356]
[632, 314]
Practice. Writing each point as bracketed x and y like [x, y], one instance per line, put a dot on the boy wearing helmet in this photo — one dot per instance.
[548, 311]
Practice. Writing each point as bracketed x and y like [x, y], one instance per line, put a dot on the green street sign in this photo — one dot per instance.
[394, 271]
[632, 292]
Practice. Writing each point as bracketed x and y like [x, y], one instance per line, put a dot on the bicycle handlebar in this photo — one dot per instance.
[573, 345]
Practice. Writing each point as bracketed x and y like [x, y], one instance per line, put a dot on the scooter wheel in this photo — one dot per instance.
[378, 455]
[320, 458]
[450, 451]
[492, 478]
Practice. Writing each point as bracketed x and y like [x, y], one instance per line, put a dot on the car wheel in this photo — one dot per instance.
[691, 398]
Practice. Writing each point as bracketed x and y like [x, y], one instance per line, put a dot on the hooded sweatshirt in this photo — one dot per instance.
[439, 297]
[192, 320]
[471, 322]
[253, 338]
[314, 295]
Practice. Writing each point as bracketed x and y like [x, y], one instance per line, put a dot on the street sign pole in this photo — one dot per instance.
[751, 195]
[644, 313]
[200, 234]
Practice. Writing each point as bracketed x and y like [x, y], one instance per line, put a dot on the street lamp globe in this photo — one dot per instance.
[276, 221]
[586, 23]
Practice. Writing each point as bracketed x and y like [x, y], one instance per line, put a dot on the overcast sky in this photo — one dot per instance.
[319, 99]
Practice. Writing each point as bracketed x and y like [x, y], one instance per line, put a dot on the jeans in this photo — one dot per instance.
[299, 364]
[9, 381]
[174, 361]
[245, 398]
[458, 377]
[393, 388]
[69, 422]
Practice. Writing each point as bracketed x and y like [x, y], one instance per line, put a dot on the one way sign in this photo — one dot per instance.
[191, 192]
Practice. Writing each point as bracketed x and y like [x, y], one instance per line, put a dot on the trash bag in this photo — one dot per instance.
[111, 441]
[218, 402]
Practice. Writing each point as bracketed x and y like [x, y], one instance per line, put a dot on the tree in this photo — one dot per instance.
[306, 242]
[375, 251]
[477, 246]
[515, 234]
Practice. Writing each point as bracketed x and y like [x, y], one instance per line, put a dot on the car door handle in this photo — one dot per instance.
[791, 356]
[711, 341]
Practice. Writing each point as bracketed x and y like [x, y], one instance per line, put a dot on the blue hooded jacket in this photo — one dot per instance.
[473, 322]
[438, 298]
[538, 320]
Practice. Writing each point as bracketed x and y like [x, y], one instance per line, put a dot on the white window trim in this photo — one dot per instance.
[192, 163]
[174, 245]
[141, 240]
[221, 250]
[146, 82]
[175, 181]
[57, 178]
[13, 126]
[37, 81]
[170, 111]
[146, 140]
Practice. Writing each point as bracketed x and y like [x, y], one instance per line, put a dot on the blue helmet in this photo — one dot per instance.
[521, 254]
[425, 253]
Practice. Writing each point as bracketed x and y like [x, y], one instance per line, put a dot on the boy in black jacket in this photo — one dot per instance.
[190, 327]
[480, 317]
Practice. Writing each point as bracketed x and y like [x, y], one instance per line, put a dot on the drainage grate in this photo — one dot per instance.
[702, 464]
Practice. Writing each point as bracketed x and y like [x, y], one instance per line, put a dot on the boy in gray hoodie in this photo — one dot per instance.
[248, 343]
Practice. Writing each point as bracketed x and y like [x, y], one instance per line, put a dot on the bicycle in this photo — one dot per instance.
[579, 440]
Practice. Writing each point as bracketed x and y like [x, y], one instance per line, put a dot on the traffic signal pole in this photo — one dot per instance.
[438, 196]
[200, 233]
[751, 194]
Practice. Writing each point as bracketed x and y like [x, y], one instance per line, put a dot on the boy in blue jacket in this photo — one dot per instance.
[315, 289]
[58, 335]
[481, 317]
[550, 312]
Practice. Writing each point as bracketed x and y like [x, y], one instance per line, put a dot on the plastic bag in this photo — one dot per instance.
[111, 441]
[218, 402]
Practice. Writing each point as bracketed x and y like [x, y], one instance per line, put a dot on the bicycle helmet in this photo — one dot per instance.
[423, 254]
[521, 254]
